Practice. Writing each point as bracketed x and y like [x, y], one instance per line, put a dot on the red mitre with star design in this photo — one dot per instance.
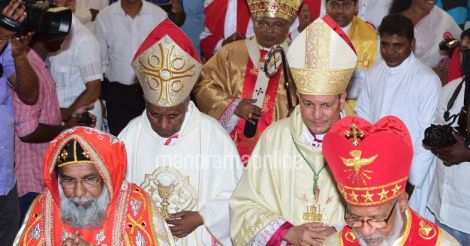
[167, 65]
[370, 162]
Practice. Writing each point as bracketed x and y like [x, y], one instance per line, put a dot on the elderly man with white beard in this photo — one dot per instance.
[87, 201]
[371, 164]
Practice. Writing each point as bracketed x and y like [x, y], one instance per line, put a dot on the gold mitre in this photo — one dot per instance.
[285, 9]
[167, 65]
[322, 59]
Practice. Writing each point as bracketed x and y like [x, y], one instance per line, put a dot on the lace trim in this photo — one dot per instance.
[264, 235]
[228, 119]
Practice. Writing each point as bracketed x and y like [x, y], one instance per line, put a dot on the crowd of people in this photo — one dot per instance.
[236, 122]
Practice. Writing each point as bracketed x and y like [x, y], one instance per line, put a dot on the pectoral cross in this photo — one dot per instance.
[355, 133]
[313, 214]
[259, 91]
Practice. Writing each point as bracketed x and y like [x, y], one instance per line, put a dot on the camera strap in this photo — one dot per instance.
[451, 102]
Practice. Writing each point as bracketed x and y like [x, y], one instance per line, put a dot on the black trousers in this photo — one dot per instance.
[9, 217]
[123, 103]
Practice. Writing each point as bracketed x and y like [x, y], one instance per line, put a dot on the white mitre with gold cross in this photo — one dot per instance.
[167, 65]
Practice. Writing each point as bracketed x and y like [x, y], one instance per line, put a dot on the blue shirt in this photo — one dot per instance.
[459, 10]
[7, 172]
[194, 23]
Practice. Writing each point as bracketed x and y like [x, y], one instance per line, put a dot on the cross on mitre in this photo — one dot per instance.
[355, 133]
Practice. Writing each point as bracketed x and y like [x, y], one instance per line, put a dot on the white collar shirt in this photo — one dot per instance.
[120, 36]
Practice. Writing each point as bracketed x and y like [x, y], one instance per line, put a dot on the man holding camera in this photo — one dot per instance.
[403, 86]
[24, 82]
[449, 197]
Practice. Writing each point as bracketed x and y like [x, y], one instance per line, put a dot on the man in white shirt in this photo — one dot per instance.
[181, 157]
[449, 196]
[120, 29]
[76, 69]
[87, 10]
[403, 86]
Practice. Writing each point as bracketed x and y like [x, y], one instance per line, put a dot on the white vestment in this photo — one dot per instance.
[449, 196]
[429, 33]
[409, 91]
[278, 185]
[198, 172]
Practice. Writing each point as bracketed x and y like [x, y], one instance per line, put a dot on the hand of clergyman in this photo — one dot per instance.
[309, 234]
[75, 240]
[183, 223]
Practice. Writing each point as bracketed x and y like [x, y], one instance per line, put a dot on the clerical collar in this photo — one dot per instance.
[176, 137]
[313, 139]
[403, 66]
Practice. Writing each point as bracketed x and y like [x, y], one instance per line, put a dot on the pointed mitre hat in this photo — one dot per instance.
[167, 65]
[322, 59]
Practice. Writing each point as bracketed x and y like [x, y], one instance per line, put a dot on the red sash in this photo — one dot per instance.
[243, 17]
[245, 145]
[418, 231]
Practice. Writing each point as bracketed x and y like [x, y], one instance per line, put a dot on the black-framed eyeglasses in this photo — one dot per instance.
[69, 183]
[357, 222]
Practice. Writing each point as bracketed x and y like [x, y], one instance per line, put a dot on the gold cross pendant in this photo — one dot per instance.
[313, 214]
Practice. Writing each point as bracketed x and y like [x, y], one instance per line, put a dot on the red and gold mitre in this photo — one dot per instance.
[167, 65]
[322, 59]
[285, 9]
[369, 162]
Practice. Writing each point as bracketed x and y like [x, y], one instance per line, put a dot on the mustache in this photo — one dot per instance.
[74, 212]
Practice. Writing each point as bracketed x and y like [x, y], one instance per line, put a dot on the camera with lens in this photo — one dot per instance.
[45, 19]
[440, 136]
[85, 119]
[449, 44]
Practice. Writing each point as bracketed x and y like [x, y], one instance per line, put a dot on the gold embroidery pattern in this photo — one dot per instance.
[357, 173]
[166, 72]
[64, 154]
[313, 214]
[285, 9]
[350, 237]
[170, 191]
[321, 82]
[426, 231]
[372, 195]
[120, 214]
[249, 231]
[383, 194]
[317, 51]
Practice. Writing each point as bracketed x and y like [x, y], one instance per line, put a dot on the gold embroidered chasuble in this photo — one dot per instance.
[221, 81]
[232, 74]
[277, 184]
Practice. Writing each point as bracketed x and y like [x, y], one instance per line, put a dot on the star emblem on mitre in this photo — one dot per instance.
[357, 163]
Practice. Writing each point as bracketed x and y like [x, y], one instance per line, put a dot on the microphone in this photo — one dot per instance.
[250, 129]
